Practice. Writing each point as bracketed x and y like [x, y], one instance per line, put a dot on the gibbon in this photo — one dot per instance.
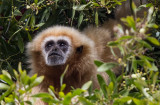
[58, 46]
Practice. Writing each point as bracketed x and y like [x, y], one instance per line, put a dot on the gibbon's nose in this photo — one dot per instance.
[55, 49]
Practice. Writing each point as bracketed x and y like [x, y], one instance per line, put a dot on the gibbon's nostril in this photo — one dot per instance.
[55, 49]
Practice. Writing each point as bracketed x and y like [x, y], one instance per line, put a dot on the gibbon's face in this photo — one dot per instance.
[56, 50]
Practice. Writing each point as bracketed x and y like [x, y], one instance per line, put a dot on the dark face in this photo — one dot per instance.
[56, 52]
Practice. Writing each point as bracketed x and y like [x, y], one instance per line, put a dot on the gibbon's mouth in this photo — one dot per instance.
[55, 59]
[54, 54]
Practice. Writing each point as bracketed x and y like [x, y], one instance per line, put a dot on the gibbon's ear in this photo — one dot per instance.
[79, 49]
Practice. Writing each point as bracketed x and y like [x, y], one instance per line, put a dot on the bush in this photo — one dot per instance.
[139, 82]
[21, 19]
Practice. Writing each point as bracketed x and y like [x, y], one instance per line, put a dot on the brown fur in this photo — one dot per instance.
[81, 66]
[125, 9]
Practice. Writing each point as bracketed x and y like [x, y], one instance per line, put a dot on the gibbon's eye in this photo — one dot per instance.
[48, 45]
[62, 43]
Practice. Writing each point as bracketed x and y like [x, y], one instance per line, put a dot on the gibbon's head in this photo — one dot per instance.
[59, 44]
[56, 50]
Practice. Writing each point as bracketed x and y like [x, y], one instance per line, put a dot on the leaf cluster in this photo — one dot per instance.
[137, 85]
[20, 20]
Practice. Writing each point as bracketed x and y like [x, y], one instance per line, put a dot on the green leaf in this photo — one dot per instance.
[24, 78]
[140, 62]
[146, 57]
[111, 76]
[112, 51]
[96, 17]
[153, 40]
[33, 78]
[145, 5]
[63, 87]
[145, 44]
[149, 5]
[119, 79]
[155, 76]
[154, 67]
[16, 74]
[20, 68]
[134, 8]
[37, 81]
[121, 101]
[14, 34]
[29, 36]
[80, 19]
[40, 24]
[102, 84]
[28, 102]
[86, 85]
[50, 101]
[67, 99]
[106, 66]
[113, 43]
[61, 94]
[20, 43]
[17, 13]
[152, 25]
[110, 89]
[80, 7]
[52, 93]
[41, 1]
[150, 13]
[62, 76]
[21, 91]
[26, 16]
[12, 87]
[9, 99]
[3, 86]
[103, 2]
[140, 84]
[100, 80]
[129, 21]
[73, 14]
[121, 50]
[84, 101]
[124, 92]
[6, 79]
[6, 73]
[32, 22]
[77, 92]
[148, 64]
[10, 69]
[138, 102]
[45, 15]
[42, 95]
[125, 37]
[134, 64]
[98, 63]
[96, 4]
[36, 1]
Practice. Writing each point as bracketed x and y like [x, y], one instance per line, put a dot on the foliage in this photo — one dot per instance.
[21, 19]
[17, 92]
[139, 82]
